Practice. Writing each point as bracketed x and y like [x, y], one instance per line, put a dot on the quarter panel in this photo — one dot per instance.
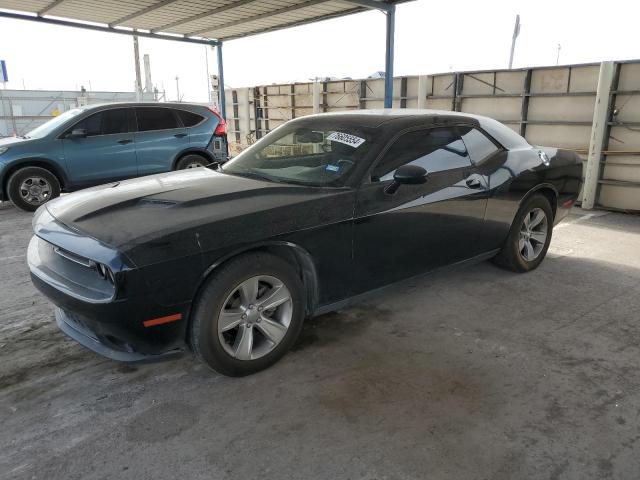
[519, 174]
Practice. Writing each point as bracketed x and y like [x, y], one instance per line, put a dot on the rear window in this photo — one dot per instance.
[189, 119]
[480, 148]
[153, 118]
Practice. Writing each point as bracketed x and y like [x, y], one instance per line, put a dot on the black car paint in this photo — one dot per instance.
[163, 235]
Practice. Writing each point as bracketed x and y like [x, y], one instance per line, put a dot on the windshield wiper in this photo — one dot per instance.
[255, 175]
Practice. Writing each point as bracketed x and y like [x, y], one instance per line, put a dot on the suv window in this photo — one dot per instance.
[435, 150]
[114, 121]
[106, 122]
[155, 118]
[189, 119]
[478, 144]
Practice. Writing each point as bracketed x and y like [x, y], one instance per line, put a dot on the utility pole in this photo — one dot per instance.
[558, 56]
[516, 32]
[136, 56]
[178, 87]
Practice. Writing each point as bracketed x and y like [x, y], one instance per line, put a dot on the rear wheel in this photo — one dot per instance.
[30, 187]
[248, 315]
[192, 161]
[529, 237]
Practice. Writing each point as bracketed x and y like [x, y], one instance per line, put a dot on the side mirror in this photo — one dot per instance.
[77, 133]
[407, 175]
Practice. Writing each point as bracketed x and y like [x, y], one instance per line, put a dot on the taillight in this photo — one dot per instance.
[221, 129]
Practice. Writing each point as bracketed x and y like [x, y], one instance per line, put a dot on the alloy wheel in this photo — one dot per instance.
[533, 234]
[255, 317]
[35, 190]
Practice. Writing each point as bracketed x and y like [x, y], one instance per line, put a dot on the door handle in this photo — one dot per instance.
[125, 141]
[473, 182]
[180, 135]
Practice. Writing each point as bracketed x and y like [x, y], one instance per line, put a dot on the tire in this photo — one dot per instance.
[516, 255]
[192, 161]
[223, 348]
[30, 187]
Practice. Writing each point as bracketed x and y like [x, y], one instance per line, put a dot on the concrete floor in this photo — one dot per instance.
[472, 374]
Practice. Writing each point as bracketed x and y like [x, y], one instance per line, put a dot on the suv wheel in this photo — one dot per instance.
[31, 187]
[192, 161]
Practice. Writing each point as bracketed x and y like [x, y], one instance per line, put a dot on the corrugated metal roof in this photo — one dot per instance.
[220, 19]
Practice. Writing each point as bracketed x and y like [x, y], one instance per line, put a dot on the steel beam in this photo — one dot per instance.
[379, 5]
[388, 68]
[198, 16]
[598, 134]
[261, 16]
[50, 7]
[144, 11]
[223, 104]
[99, 28]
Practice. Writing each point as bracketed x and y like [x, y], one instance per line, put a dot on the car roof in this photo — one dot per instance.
[377, 118]
[97, 106]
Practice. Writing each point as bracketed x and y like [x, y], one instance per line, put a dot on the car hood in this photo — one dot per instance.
[180, 213]
[12, 141]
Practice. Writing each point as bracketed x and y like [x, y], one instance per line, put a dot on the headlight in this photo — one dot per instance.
[3, 149]
[105, 273]
[41, 217]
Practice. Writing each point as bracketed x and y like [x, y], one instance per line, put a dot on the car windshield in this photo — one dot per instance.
[46, 128]
[317, 155]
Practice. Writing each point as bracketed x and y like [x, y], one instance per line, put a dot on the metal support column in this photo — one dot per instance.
[316, 95]
[423, 81]
[223, 104]
[598, 134]
[388, 68]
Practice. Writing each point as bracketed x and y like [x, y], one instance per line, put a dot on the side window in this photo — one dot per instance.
[92, 125]
[154, 118]
[106, 122]
[114, 121]
[479, 146]
[189, 119]
[435, 150]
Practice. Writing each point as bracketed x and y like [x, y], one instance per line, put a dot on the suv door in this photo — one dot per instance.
[107, 153]
[419, 227]
[159, 139]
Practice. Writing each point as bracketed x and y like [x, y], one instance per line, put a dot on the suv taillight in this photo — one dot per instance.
[221, 129]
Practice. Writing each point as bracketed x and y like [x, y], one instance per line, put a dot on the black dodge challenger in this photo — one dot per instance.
[229, 261]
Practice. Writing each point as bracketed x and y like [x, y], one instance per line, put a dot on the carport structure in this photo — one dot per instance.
[201, 21]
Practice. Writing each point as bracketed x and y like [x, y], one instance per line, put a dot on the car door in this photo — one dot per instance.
[488, 158]
[419, 227]
[159, 139]
[106, 152]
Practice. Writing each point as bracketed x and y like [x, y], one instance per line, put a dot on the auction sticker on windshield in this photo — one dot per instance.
[346, 138]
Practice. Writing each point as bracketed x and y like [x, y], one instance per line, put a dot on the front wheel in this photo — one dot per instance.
[248, 315]
[30, 187]
[529, 237]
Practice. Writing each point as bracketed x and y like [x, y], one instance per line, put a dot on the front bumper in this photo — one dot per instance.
[106, 345]
[121, 324]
